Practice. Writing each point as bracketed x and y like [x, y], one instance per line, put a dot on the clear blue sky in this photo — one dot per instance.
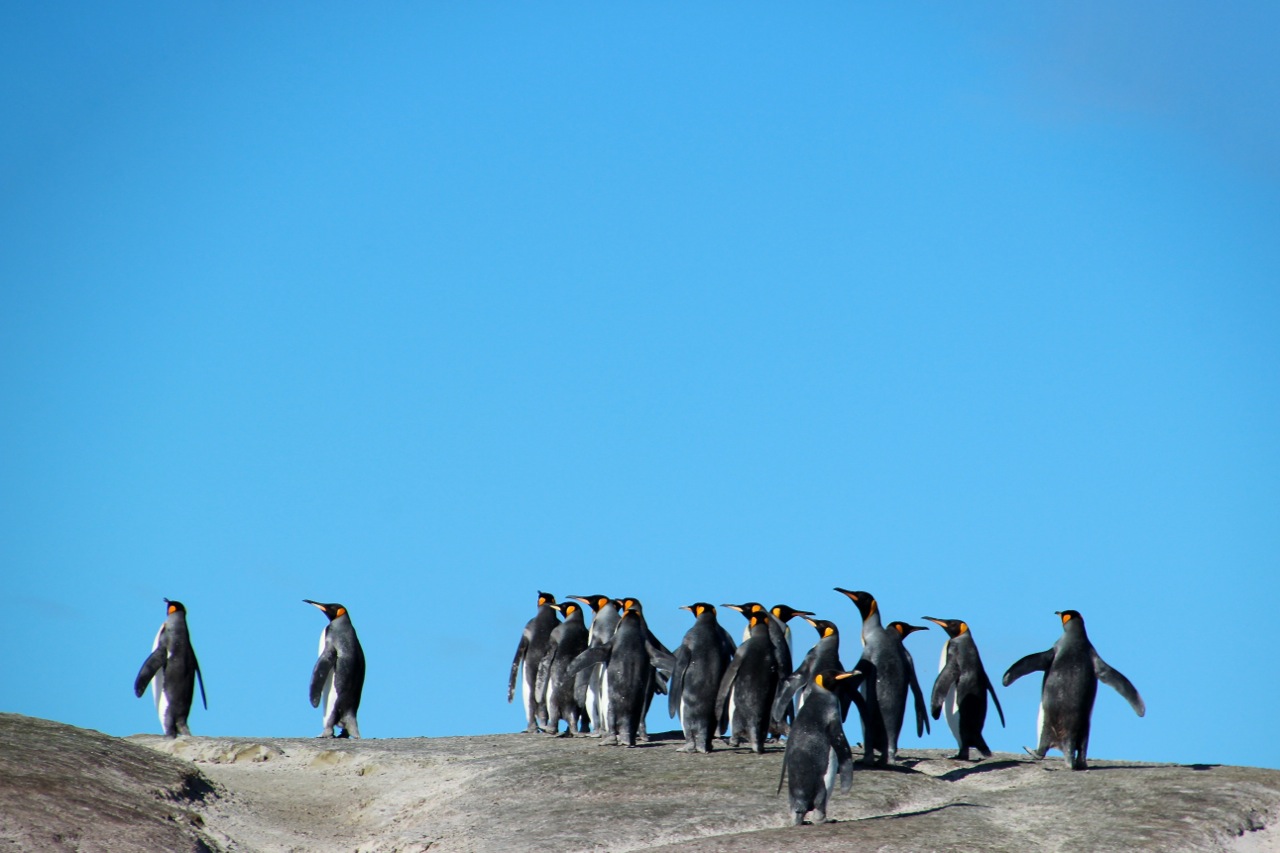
[423, 308]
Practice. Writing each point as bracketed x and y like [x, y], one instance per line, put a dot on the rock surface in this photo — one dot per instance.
[63, 788]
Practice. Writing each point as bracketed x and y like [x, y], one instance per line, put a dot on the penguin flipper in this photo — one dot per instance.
[992, 690]
[947, 678]
[521, 649]
[922, 713]
[590, 657]
[787, 690]
[324, 665]
[1117, 682]
[726, 682]
[844, 755]
[544, 674]
[1038, 662]
[150, 667]
[200, 678]
[676, 689]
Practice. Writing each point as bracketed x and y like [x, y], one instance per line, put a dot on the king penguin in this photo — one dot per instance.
[338, 676]
[589, 683]
[173, 670]
[888, 674]
[1072, 670]
[825, 655]
[629, 659]
[961, 689]
[554, 688]
[533, 645]
[817, 749]
[751, 682]
[700, 662]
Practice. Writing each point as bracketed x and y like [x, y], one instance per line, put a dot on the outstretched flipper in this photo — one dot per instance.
[922, 713]
[200, 678]
[590, 657]
[992, 690]
[1117, 682]
[1038, 662]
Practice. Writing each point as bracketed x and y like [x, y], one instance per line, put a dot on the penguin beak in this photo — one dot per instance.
[851, 595]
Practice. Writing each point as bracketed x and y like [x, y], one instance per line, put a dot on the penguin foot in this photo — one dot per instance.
[1037, 756]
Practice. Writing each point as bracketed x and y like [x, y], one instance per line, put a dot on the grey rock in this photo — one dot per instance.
[529, 792]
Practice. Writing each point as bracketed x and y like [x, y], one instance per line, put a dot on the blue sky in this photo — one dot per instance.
[422, 309]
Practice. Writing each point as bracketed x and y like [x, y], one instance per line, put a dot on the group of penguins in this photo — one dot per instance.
[603, 679]
[337, 679]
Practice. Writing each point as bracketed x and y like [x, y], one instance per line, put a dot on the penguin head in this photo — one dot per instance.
[1071, 620]
[699, 608]
[629, 604]
[746, 609]
[759, 619]
[823, 627]
[834, 679]
[595, 602]
[784, 613]
[569, 610]
[545, 598]
[333, 611]
[953, 627]
[172, 607]
[904, 629]
[866, 601]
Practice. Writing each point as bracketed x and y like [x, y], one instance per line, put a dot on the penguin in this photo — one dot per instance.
[588, 684]
[825, 655]
[554, 688]
[817, 749]
[752, 682]
[889, 673]
[338, 676]
[904, 630]
[173, 670]
[780, 636]
[629, 659]
[961, 689]
[700, 663]
[533, 645]
[1072, 670]
[658, 675]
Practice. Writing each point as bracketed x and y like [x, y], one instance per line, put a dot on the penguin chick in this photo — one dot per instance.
[961, 689]
[172, 669]
[338, 676]
[817, 749]
[533, 645]
[1072, 670]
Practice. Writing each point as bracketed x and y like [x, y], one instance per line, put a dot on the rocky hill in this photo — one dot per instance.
[63, 788]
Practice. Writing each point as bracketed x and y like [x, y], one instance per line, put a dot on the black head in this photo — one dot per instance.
[172, 607]
[953, 627]
[824, 628]
[904, 630]
[333, 611]
[595, 602]
[567, 609]
[834, 679]
[866, 601]
[629, 604]
[784, 613]
[545, 598]
[1071, 620]
[746, 609]
[699, 608]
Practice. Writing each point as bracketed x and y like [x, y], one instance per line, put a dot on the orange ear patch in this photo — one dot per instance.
[342, 611]
[173, 609]
[963, 627]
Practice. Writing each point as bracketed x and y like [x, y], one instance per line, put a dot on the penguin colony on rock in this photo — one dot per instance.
[337, 679]
[600, 681]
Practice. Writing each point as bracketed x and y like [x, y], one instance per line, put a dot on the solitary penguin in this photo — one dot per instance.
[173, 670]
[1072, 670]
[629, 659]
[888, 674]
[338, 677]
[817, 749]
[533, 645]
[700, 663]
[555, 686]
[588, 684]
[752, 682]
[961, 689]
